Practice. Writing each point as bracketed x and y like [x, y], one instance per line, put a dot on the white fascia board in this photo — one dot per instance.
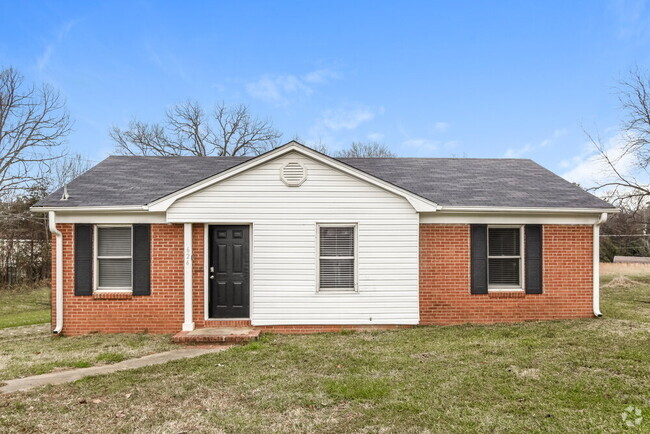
[529, 210]
[504, 218]
[418, 203]
[74, 209]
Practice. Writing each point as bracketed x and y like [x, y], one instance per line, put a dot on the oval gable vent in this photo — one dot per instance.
[293, 174]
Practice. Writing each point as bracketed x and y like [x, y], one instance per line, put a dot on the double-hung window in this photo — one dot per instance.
[504, 257]
[337, 257]
[113, 248]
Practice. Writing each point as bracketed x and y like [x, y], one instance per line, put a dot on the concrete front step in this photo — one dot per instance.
[217, 335]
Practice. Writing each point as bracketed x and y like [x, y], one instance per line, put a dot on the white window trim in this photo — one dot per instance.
[354, 290]
[507, 288]
[96, 259]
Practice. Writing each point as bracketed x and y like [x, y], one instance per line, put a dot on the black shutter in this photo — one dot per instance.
[83, 260]
[141, 259]
[533, 259]
[478, 260]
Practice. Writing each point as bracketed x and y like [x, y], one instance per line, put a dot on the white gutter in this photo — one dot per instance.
[127, 208]
[527, 210]
[596, 267]
[59, 273]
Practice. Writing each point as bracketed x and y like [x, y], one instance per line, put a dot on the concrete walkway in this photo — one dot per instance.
[27, 383]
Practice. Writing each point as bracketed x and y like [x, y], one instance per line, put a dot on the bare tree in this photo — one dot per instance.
[365, 150]
[356, 150]
[627, 163]
[188, 130]
[33, 125]
[65, 170]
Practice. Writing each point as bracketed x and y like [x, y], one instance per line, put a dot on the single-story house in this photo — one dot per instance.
[296, 241]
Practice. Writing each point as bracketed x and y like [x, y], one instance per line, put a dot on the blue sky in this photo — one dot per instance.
[435, 79]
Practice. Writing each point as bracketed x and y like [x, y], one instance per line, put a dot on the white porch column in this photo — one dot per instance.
[188, 324]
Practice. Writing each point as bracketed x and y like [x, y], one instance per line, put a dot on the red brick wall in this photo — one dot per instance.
[445, 279]
[198, 276]
[160, 312]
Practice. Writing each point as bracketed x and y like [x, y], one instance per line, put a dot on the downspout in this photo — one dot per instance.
[596, 267]
[59, 273]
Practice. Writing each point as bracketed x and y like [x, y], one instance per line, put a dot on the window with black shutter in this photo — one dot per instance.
[499, 262]
[112, 258]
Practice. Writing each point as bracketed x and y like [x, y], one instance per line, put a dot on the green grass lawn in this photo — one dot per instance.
[31, 350]
[558, 376]
[24, 307]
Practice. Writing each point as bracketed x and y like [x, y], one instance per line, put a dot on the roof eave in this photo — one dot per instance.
[116, 208]
[526, 210]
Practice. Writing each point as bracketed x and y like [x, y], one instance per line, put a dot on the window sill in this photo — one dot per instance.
[506, 289]
[337, 291]
[507, 293]
[112, 295]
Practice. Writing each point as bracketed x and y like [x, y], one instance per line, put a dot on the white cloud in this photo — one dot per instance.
[167, 61]
[348, 118]
[440, 127]
[428, 144]
[279, 89]
[631, 18]
[44, 59]
[276, 89]
[422, 143]
[321, 76]
[375, 136]
[589, 168]
[530, 147]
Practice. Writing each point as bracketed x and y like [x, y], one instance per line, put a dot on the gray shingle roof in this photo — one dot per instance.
[127, 180]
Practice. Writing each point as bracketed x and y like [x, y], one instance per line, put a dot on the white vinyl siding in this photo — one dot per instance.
[285, 249]
[113, 256]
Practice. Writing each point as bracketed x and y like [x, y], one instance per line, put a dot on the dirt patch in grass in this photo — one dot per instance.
[533, 373]
[621, 282]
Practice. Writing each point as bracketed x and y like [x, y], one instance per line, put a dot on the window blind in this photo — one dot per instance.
[114, 241]
[504, 250]
[337, 257]
[503, 271]
[114, 257]
[114, 273]
[503, 242]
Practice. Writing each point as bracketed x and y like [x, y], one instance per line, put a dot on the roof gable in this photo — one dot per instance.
[420, 204]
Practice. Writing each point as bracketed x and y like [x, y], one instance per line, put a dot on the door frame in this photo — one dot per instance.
[206, 268]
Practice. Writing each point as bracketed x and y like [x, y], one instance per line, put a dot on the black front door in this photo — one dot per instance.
[228, 272]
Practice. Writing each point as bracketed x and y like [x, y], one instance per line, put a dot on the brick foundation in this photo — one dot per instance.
[445, 279]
